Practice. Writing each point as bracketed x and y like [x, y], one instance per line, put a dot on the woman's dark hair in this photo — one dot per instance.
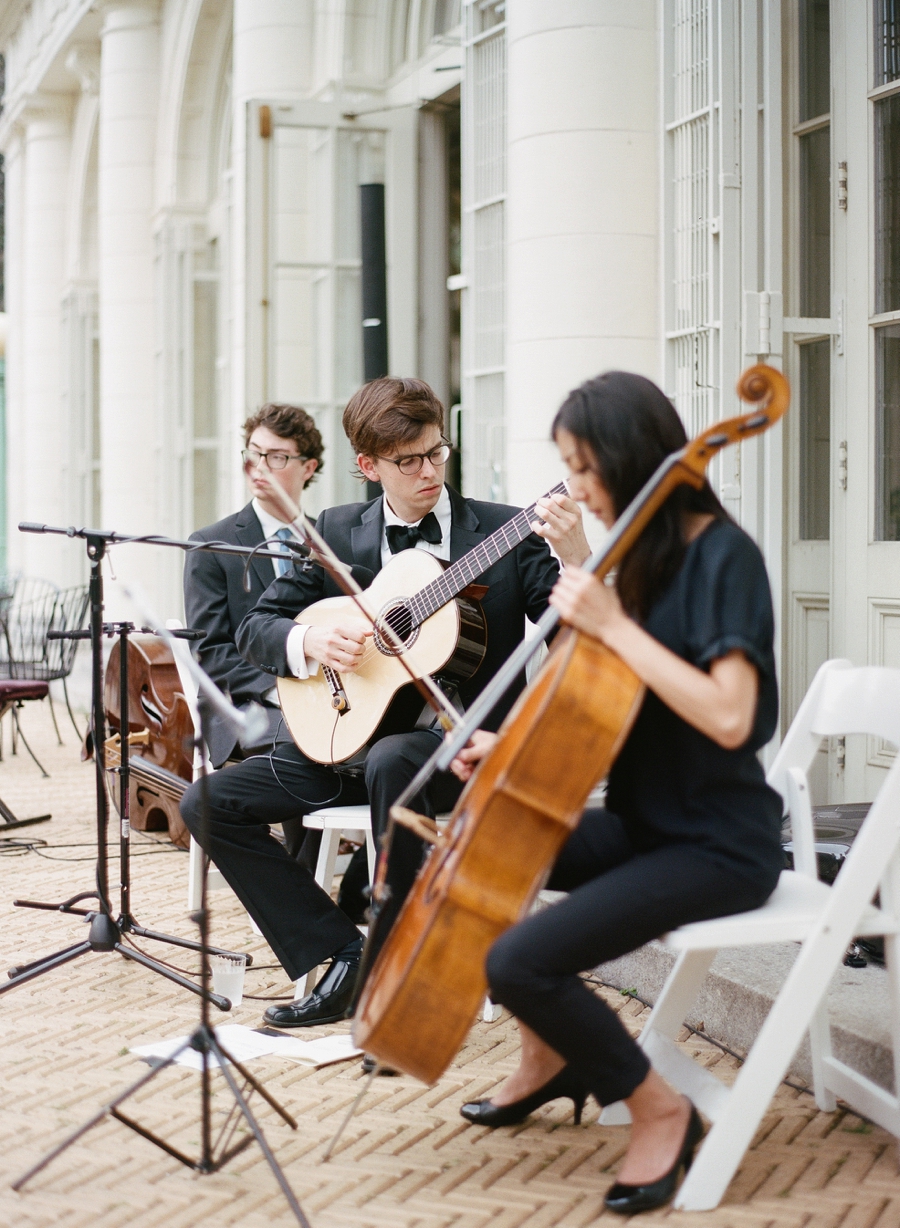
[625, 428]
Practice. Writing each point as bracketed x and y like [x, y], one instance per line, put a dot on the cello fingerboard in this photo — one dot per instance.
[461, 573]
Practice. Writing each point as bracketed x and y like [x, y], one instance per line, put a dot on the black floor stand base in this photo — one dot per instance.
[8, 821]
[106, 935]
[215, 1153]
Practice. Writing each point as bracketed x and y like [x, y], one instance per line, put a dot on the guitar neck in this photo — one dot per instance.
[474, 564]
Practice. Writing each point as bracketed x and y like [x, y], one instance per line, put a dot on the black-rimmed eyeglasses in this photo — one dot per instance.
[274, 460]
[413, 463]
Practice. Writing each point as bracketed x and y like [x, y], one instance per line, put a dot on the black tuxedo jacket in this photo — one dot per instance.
[519, 585]
[215, 603]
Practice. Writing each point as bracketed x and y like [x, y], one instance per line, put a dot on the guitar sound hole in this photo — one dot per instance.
[400, 620]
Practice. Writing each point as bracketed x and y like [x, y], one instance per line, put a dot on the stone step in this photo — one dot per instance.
[741, 987]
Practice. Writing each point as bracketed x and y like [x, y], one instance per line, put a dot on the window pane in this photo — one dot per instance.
[815, 59]
[887, 41]
[815, 223]
[887, 204]
[205, 501]
[815, 440]
[205, 375]
[887, 378]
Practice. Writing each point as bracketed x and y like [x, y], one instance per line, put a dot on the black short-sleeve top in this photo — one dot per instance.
[671, 783]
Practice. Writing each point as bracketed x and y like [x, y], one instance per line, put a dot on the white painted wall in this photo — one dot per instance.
[583, 187]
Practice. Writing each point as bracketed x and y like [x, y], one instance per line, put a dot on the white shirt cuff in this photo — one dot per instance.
[300, 665]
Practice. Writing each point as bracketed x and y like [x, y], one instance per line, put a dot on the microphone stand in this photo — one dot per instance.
[106, 932]
[215, 1152]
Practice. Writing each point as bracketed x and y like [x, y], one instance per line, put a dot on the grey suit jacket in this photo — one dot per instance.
[215, 603]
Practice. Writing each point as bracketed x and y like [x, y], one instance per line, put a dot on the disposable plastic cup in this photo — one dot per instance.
[228, 976]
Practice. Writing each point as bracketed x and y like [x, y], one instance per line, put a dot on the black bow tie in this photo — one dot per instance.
[404, 536]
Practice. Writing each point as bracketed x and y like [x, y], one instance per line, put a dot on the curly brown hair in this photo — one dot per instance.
[390, 411]
[289, 422]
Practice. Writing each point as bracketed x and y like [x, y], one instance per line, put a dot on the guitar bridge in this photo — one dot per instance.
[339, 700]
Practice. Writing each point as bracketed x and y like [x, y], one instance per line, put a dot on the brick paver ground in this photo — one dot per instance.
[408, 1160]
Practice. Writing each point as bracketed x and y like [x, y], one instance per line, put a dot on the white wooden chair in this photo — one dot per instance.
[351, 822]
[336, 823]
[823, 920]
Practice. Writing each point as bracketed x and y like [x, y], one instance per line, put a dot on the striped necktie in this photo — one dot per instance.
[283, 566]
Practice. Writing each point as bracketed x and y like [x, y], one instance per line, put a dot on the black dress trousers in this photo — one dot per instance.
[298, 919]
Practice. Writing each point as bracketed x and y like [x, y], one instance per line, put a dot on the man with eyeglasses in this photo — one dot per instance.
[395, 428]
[282, 446]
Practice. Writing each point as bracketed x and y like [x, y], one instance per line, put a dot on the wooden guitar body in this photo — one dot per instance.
[451, 643]
[557, 721]
[161, 732]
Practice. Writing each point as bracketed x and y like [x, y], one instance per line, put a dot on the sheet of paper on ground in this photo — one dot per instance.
[245, 1044]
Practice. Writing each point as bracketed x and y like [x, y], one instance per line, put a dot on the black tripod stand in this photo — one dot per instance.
[216, 1152]
[107, 933]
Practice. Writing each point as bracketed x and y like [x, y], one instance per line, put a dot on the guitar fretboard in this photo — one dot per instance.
[476, 562]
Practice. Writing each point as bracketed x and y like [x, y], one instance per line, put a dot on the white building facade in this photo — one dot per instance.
[675, 187]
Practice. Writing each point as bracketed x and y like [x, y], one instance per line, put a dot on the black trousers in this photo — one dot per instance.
[298, 919]
[619, 900]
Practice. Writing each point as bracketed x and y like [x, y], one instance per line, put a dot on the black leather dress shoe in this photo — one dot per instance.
[328, 1002]
[630, 1199]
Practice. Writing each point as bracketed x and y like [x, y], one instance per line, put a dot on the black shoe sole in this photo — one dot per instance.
[307, 1023]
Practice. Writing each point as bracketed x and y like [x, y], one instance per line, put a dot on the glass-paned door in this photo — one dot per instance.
[808, 355]
[865, 195]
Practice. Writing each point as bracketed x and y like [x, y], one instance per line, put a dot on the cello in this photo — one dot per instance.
[526, 796]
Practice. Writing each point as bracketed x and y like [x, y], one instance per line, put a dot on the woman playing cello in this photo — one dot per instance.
[691, 830]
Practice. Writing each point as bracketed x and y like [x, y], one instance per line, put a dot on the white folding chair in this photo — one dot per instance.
[336, 823]
[215, 881]
[822, 919]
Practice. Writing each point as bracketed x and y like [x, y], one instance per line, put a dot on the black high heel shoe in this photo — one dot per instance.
[565, 1084]
[629, 1199]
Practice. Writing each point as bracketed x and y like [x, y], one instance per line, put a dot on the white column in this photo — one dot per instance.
[13, 160]
[582, 222]
[129, 74]
[273, 43]
[39, 437]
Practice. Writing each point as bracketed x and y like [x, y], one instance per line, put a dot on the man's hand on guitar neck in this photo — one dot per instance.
[341, 647]
[561, 527]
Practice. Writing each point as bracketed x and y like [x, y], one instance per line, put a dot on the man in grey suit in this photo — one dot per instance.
[394, 426]
[281, 445]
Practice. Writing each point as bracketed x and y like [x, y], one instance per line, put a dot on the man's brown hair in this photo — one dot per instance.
[389, 411]
[289, 422]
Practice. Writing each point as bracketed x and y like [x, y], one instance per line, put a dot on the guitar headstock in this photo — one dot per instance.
[761, 386]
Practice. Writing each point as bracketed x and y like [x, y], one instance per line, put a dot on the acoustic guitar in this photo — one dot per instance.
[432, 608]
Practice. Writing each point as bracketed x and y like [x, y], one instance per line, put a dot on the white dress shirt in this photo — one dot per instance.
[302, 666]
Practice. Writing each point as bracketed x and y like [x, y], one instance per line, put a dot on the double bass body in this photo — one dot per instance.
[161, 731]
